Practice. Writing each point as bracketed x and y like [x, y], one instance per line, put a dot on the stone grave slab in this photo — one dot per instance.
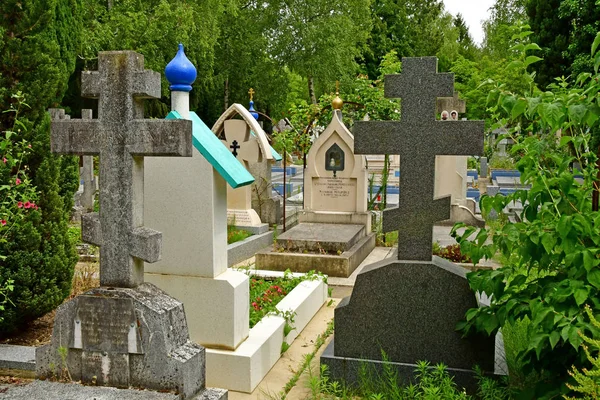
[48, 390]
[316, 237]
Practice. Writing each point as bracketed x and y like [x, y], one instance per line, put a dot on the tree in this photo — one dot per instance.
[497, 28]
[152, 28]
[467, 49]
[37, 45]
[318, 39]
[551, 32]
[409, 27]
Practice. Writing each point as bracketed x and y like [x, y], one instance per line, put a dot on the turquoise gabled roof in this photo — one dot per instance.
[276, 155]
[205, 141]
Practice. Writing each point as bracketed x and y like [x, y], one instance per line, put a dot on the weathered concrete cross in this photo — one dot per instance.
[418, 138]
[122, 138]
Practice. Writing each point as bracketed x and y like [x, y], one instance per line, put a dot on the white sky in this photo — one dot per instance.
[473, 11]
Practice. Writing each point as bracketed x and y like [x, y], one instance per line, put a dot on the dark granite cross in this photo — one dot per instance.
[121, 137]
[418, 138]
[234, 146]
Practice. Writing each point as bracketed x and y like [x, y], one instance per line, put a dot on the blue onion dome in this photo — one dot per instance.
[180, 72]
[252, 110]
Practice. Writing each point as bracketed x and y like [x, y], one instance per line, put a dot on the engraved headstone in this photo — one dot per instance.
[335, 200]
[483, 167]
[126, 333]
[409, 308]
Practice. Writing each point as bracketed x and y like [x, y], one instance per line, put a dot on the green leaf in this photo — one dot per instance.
[589, 261]
[518, 108]
[548, 241]
[490, 324]
[595, 44]
[564, 226]
[537, 343]
[554, 338]
[565, 139]
[532, 59]
[532, 46]
[577, 112]
[581, 295]
[593, 277]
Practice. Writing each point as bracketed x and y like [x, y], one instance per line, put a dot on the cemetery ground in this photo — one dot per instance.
[295, 375]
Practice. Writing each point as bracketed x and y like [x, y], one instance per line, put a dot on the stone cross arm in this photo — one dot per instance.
[145, 84]
[145, 137]
[440, 137]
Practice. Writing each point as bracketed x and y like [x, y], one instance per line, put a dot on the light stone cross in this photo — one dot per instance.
[121, 137]
[418, 138]
[243, 143]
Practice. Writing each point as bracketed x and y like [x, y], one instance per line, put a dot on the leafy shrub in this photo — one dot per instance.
[553, 255]
[39, 256]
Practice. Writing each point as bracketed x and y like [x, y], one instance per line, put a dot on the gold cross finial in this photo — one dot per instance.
[251, 93]
[337, 103]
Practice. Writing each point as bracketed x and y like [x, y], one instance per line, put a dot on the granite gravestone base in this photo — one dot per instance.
[126, 337]
[409, 311]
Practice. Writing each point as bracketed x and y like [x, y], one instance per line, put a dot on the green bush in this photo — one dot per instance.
[40, 257]
[552, 268]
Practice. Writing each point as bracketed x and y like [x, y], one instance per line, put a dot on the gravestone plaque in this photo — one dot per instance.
[106, 324]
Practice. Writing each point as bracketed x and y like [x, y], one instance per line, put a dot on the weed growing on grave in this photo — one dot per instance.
[430, 383]
[65, 375]
[236, 235]
[307, 358]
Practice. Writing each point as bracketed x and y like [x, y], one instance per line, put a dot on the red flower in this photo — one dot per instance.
[18, 181]
[3, 222]
[28, 204]
[20, 204]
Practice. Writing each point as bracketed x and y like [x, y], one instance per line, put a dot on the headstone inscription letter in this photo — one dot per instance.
[121, 137]
[409, 307]
[126, 332]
